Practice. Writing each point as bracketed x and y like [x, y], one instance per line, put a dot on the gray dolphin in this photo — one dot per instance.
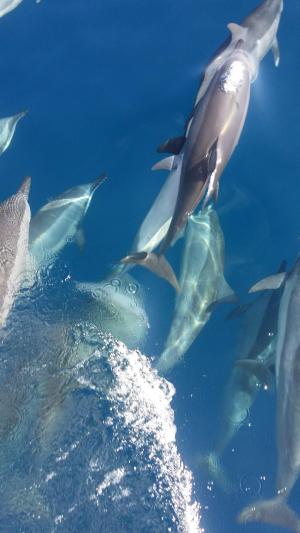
[202, 284]
[8, 5]
[14, 229]
[214, 132]
[58, 222]
[7, 130]
[262, 26]
[287, 363]
[253, 369]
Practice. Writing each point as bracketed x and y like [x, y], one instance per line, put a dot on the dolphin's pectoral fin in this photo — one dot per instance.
[276, 52]
[238, 311]
[156, 264]
[269, 283]
[238, 33]
[274, 512]
[169, 163]
[212, 465]
[80, 239]
[172, 146]
[257, 369]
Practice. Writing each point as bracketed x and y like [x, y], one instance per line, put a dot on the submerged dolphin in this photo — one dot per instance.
[202, 284]
[116, 305]
[58, 222]
[252, 370]
[14, 229]
[287, 361]
[213, 134]
[7, 130]
[8, 5]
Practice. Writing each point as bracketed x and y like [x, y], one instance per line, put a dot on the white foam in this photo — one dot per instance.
[141, 399]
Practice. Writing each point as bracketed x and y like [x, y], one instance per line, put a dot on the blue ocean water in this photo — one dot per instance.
[105, 83]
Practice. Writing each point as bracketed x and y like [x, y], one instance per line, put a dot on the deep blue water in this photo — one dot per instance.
[105, 83]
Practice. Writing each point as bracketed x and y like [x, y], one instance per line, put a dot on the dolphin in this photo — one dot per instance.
[252, 371]
[8, 5]
[116, 306]
[14, 230]
[202, 284]
[214, 132]
[7, 130]
[287, 363]
[58, 222]
[262, 26]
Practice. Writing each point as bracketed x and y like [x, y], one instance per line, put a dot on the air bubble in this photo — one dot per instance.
[251, 485]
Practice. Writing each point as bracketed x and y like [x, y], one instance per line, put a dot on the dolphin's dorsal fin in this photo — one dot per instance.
[225, 292]
[269, 283]
[25, 187]
[169, 163]
[172, 146]
[225, 295]
[238, 33]
[276, 52]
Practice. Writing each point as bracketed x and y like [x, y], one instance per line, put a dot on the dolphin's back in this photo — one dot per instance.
[14, 227]
[57, 222]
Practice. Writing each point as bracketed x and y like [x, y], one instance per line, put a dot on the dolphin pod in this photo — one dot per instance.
[270, 330]
[214, 128]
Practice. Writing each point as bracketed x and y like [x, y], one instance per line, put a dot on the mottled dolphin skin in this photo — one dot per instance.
[202, 284]
[14, 229]
[213, 134]
[8, 5]
[7, 130]
[58, 222]
[287, 362]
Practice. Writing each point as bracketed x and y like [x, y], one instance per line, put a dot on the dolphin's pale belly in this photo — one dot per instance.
[8, 5]
[156, 223]
[49, 231]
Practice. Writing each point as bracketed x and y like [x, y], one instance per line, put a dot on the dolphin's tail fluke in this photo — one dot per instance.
[275, 512]
[212, 466]
[156, 264]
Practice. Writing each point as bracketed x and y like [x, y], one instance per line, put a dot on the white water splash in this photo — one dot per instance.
[141, 400]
